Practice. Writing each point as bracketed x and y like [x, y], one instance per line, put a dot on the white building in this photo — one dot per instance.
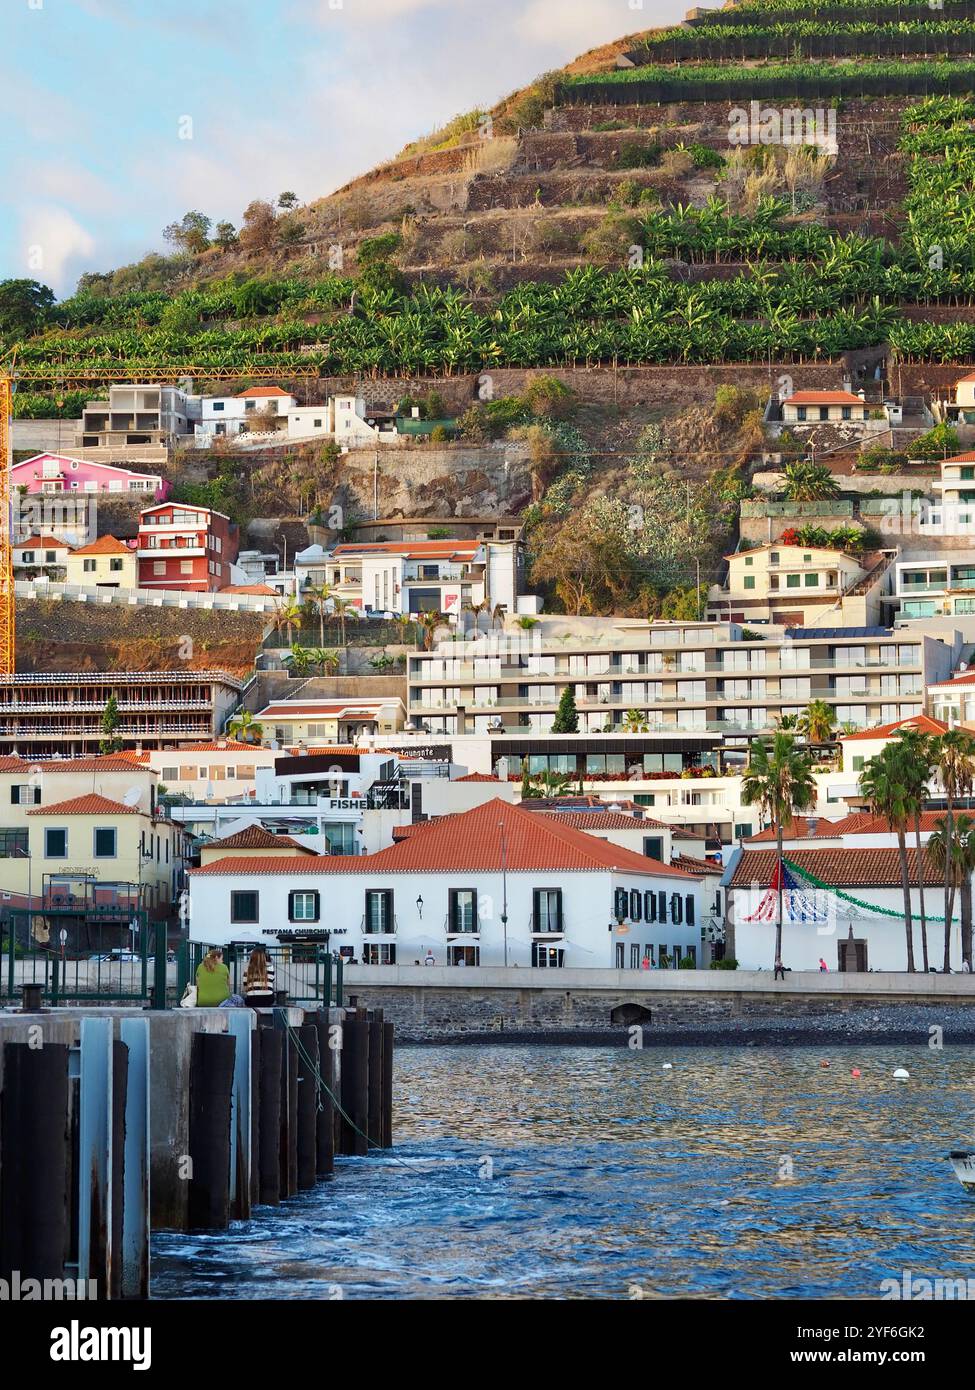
[496, 885]
[941, 584]
[814, 407]
[834, 923]
[261, 410]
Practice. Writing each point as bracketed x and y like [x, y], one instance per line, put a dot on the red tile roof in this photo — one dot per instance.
[866, 823]
[922, 722]
[429, 550]
[966, 677]
[959, 458]
[479, 777]
[823, 398]
[256, 837]
[107, 762]
[264, 589]
[262, 391]
[51, 542]
[797, 828]
[839, 868]
[472, 842]
[229, 745]
[282, 709]
[697, 867]
[105, 545]
[91, 805]
[603, 820]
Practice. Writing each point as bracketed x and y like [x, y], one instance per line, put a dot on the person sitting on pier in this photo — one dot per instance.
[259, 980]
[212, 980]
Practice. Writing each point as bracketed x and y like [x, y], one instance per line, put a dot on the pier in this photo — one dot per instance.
[115, 1122]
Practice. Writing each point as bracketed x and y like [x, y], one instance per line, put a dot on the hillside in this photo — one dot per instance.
[524, 248]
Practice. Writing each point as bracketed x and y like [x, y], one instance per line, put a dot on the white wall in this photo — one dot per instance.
[588, 906]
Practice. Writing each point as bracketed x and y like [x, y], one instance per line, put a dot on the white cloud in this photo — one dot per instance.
[53, 245]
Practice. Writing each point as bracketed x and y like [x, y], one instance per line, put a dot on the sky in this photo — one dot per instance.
[117, 116]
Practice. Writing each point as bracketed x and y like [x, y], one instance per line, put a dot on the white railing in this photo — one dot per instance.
[149, 598]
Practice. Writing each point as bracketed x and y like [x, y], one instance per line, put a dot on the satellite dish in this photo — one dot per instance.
[132, 797]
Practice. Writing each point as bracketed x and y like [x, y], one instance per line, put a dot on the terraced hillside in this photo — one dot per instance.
[607, 216]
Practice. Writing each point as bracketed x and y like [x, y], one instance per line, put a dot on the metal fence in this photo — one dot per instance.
[99, 972]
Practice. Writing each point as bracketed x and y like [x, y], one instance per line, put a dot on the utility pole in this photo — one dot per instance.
[504, 890]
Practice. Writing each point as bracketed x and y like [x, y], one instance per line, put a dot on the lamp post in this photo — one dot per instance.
[419, 907]
[504, 889]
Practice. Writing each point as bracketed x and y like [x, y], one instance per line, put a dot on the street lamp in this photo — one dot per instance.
[419, 906]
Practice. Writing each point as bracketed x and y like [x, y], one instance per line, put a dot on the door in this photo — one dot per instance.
[853, 955]
[620, 955]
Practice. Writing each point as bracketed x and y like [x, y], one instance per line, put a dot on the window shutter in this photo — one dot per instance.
[689, 909]
[661, 907]
[650, 906]
[676, 909]
[389, 922]
[635, 905]
[536, 911]
[291, 907]
[15, 796]
[619, 903]
[558, 908]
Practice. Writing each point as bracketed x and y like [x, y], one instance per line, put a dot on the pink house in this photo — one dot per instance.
[57, 473]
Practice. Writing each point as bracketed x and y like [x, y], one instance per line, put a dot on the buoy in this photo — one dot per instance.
[902, 1074]
[668, 1066]
[824, 1063]
[855, 1071]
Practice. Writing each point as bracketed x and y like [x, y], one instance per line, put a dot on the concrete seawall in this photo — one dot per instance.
[433, 1002]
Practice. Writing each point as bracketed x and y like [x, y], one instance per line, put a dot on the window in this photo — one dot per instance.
[858, 760]
[636, 905]
[55, 844]
[649, 907]
[792, 581]
[847, 412]
[159, 566]
[49, 557]
[13, 844]
[379, 953]
[749, 581]
[676, 909]
[462, 910]
[105, 842]
[811, 581]
[217, 405]
[547, 957]
[689, 909]
[170, 774]
[653, 846]
[186, 566]
[547, 910]
[303, 906]
[243, 907]
[379, 911]
[25, 795]
[801, 412]
[115, 564]
[27, 557]
[89, 566]
[749, 559]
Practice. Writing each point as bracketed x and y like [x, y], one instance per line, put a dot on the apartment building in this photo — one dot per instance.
[801, 586]
[288, 723]
[185, 547]
[686, 678]
[137, 421]
[59, 714]
[212, 772]
[439, 576]
[938, 584]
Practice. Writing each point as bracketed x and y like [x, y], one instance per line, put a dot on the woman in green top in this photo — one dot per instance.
[212, 980]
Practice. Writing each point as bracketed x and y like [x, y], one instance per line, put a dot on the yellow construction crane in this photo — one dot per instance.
[64, 376]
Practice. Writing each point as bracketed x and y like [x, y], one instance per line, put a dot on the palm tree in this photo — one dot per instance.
[885, 783]
[956, 852]
[818, 722]
[955, 762]
[919, 768]
[808, 482]
[430, 620]
[319, 596]
[343, 608]
[476, 609]
[406, 625]
[497, 615]
[286, 614]
[779, 780]
[245, 727]
[325, 658]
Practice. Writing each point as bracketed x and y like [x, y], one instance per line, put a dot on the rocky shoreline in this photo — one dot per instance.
[870, 1025]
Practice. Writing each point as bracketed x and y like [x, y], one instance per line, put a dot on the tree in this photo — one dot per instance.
[320, 596]
[245, 727]
[808, 482]
[286, 615]
[919, 768]
[299, 659]
[429, 622]
[24, 306]
[225, 235]
[343, 609]
[886, 782]
[566, 718]
[955, 764]
[111, 722]
[684, 605]
[191, 234]
[819, 722]
[287, 200]
[259, 226]
[779, 780]
[959, 859]
[327, 659]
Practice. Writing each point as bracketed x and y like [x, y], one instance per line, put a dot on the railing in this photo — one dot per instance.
[466, 676]
[368, 930]
[454, 928]
[306, 971]
[99, 962]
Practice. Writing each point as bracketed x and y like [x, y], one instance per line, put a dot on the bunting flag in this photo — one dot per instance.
[797, 902]
[818, 883]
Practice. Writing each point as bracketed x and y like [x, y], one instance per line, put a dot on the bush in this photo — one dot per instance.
[633, 155]
[687, 963]
[705, 158]
[727, 963]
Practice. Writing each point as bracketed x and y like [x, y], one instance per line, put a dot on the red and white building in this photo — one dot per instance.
[492, 886]
[185, 547]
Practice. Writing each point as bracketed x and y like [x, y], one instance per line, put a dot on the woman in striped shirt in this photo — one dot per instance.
[259, 980]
